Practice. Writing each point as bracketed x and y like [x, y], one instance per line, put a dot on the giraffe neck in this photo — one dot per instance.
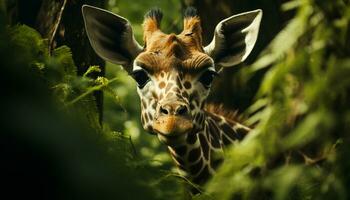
[204, 149]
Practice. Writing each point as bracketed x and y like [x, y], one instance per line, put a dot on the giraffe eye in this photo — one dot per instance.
[140, 77]
[207, 78]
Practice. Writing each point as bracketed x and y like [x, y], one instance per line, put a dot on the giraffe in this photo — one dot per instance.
[174, 73]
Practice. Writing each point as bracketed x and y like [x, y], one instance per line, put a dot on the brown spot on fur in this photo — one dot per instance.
[177, 90]
[161, 85]
[149, 116]
[194, 169]
[154, 105]
[205, 147]
[203, 176]
[192, 106]
[225, 140]
[241, 133]
[228, 131]
[149, 127]
[216, 163]
[143, 103]
[185, 94]
[194, 154]
[187, 85]
[214, 132]
[191, 139]
[154, 95]
[181, 150]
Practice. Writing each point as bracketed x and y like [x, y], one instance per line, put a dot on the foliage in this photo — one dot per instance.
[297, 149]
[100, 155]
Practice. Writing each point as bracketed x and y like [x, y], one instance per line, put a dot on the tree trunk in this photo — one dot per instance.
[71, 32]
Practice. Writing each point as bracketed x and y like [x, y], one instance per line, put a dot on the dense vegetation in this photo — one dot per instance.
[56, 145]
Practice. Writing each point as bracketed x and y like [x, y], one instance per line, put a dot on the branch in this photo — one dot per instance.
[91, 90]
[56, 25]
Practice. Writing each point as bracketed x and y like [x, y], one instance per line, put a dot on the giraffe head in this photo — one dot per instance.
[173, 72]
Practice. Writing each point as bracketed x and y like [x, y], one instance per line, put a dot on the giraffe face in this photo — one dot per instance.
[173, 86]
[173, 72]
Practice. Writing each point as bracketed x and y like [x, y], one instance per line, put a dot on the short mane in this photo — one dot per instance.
[219, 109]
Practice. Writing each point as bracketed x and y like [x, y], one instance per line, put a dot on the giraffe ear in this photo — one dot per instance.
[110, 35]
[234, 38]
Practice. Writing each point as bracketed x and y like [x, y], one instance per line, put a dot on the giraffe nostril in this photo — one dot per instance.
[181, 110]
[163, 111]
[173, 109]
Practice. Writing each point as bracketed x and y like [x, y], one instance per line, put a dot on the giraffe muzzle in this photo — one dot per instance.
[173, 119]
[172, 125]
[172, 130]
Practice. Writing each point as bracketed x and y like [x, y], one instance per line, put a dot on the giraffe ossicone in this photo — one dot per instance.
[174, 74]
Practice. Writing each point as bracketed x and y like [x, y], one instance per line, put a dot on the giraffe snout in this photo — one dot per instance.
[173, 119]
[175, 109]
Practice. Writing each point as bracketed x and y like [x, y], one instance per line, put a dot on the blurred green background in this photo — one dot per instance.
[71, 122]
